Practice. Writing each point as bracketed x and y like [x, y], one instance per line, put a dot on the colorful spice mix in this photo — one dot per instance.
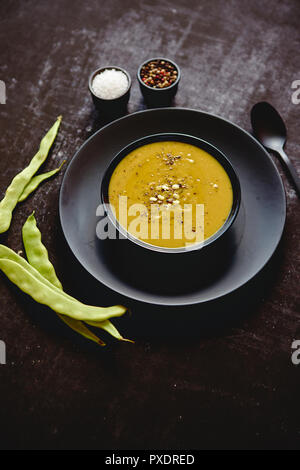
[159, 74]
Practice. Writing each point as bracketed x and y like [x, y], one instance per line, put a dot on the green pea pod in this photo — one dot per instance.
[109, 328]
[53, 297]
[7, 253]
[37, 253]
[17, 186]
[80, 328]
[36, 181]
[37, 256]
[76, 325]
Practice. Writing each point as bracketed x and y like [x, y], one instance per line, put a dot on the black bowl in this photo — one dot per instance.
[158, 97]
[114, 106]
[212, 150]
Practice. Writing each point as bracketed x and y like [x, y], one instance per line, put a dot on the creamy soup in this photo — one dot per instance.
[171, 183]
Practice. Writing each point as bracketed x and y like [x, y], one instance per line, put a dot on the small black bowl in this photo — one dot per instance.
[158, 97]
[212, 150]
[114, 106]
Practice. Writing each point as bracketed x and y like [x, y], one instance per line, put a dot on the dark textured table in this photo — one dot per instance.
[215, 377]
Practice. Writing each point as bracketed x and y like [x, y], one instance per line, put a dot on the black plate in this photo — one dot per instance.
[254, 235]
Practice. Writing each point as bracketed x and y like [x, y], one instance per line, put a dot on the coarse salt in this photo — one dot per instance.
[110, 84]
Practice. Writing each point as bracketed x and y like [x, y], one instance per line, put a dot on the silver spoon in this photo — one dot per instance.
[270, 130]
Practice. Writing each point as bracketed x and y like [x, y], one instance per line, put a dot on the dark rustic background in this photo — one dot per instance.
[212, 378]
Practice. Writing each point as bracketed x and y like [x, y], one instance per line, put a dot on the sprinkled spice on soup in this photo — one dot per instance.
[173, 178]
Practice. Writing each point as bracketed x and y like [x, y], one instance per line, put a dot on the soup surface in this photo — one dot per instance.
[170, 183]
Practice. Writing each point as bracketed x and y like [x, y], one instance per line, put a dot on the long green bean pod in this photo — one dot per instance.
[109, 328]
[37, 253]
[36, 181]
[76, 325]
[8, 253]
[53, 297]
[19, 182]
[37, 256]
[80, 328]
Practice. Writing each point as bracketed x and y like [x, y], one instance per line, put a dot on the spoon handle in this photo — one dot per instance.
[291, 169]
